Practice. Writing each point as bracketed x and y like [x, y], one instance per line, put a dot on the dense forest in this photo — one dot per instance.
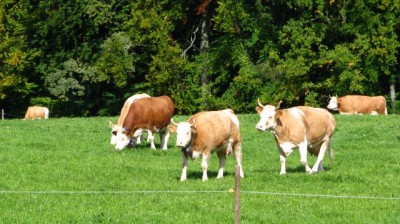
[84, 58]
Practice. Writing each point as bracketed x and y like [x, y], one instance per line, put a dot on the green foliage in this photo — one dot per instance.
[91, 55]
[116, 62]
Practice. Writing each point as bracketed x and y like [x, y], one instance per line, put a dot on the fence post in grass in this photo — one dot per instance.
[2, 114]
[237, 195]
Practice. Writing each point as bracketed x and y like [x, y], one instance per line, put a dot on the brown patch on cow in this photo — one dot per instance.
[152, 113]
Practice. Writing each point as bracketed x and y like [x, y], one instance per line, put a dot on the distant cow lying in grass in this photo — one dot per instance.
[302, 127]
[207, 132]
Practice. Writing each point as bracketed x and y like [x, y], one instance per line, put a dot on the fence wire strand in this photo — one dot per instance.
[199, 192]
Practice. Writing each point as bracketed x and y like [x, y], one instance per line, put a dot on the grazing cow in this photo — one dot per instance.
[207, 132]
[124, 112]
[306, 128]
[36, 112]
[150, 113]
[357, 104]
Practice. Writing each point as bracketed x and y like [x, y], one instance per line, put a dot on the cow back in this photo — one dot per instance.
[318, 123]
[299, 123]
[127, 104]
[358, 104]
[36, 112]
[214, 129]
[152, 113]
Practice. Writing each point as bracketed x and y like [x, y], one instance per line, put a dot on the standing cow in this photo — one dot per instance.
[124, 112]
[306, 128]
[357, 104]
[36, 112]
[150, 113]
[207, 132]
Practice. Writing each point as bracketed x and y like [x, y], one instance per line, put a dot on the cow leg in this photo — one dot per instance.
[318, 164]
[303, 156]
[282, 160]
[237, 148]
[139, 139]
[222, 158]
[204, 165]
[151, 138]
[164, 136]
[184, 165]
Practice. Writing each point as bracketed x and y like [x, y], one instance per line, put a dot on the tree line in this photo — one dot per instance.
[84, 58]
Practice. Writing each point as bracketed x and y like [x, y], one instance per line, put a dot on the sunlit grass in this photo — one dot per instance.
[54, 171]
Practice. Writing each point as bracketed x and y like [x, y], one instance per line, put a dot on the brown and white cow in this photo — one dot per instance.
[306, 128]
[358, 104]
[121, 118]
[150, 113]
[36, 112]
[207, 132]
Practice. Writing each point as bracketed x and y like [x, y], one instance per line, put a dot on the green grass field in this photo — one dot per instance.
[63, 170]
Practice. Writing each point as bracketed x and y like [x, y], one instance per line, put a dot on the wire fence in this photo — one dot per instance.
[230, 191]
[5, 115]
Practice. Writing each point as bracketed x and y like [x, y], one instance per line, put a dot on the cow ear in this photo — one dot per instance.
[110, 124]
[259, 109]
[278, 113]
[172, 128]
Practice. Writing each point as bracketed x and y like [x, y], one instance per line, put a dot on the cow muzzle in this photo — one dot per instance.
[181, 144]
[261, 127]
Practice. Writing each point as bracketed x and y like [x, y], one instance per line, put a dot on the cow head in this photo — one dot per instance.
[267, 116]
[184, 131]
[113, 132]
[122, 138]
[333, 103]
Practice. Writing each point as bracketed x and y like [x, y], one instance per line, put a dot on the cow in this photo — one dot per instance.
[207, 132]
[306, 128]
[358, 104]
[121, 118]
[150, 113]
[36, 112]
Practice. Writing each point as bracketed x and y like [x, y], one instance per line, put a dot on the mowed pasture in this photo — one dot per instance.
[63, 170]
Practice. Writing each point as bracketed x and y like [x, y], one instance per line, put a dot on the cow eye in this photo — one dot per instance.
[114, 132]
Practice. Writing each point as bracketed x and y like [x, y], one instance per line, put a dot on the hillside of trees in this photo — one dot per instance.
[84, 58]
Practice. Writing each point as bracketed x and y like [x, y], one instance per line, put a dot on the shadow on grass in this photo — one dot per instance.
[198, 175]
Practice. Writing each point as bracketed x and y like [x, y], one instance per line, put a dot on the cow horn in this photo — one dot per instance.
[173, 122]
[279, 104]
[259, 103]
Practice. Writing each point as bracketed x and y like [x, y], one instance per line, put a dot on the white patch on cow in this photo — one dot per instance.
[121, 141]
[374, 113]
[196, 154]
[267, 119]
[287, 147]
[46, 112]
[183, 134]
[233, 117]
[296, 112]
[333, 103]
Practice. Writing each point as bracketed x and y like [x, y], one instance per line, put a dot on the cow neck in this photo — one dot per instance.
[127, 130]
[190, 142]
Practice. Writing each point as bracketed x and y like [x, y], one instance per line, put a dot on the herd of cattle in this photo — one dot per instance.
[305, 128]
